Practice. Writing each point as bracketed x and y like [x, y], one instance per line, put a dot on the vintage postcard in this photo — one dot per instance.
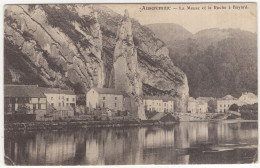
[130, 84]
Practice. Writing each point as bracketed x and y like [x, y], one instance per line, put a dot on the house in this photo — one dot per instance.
[225, 102]
[63, 102]
[192, 105]
[106, 98]
[202, 107]
[59, 98]
[159, 103]
[24, 99]
[247, 98]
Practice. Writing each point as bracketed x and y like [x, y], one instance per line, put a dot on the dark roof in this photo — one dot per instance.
[22, 91]
[109, 91]
[32, 91]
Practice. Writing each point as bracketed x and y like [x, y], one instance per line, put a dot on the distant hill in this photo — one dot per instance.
[169, 32]
[217, 61]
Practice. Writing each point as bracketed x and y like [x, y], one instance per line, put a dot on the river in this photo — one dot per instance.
[211, 142]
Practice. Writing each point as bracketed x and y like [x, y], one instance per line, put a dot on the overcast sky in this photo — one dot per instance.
[194, 20]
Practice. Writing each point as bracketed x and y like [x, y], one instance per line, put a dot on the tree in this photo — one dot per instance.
[234, 107]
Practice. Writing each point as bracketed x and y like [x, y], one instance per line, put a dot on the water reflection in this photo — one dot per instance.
[183, 143]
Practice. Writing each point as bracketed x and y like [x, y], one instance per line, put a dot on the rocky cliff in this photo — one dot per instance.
[125, 67]
[72, 46]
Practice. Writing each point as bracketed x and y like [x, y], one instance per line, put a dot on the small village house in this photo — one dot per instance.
[63, 101]
[106, 98]
[202, 107]
[192, 105]
[59, 98]
[40, 101]
[159, 104]
[247, 98]
[223, 104]
[24, 99]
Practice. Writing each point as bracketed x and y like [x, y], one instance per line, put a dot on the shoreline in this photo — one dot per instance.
[63, 125]
[59, 125]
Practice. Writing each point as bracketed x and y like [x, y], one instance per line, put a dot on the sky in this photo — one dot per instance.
[195, 20]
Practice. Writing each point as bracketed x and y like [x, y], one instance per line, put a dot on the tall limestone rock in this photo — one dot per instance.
[126, 77]
[95, 31]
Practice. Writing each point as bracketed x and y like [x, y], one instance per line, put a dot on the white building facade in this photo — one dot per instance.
[223, 104]
[192, 105]
[202, 107]
[59, 98]
[158, 104]
[105, 98]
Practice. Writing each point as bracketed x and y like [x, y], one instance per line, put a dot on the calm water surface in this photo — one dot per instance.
[183, 143]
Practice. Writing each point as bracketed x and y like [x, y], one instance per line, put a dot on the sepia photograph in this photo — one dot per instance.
[130, 84]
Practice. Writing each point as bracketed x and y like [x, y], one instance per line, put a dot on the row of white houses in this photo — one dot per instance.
[118, 100]
[223, 104]
[220, 105]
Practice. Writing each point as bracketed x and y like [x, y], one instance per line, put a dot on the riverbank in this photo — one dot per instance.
[56, 125]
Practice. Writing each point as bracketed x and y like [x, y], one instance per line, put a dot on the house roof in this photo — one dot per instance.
[108, 91]
[207, 99]
[23, 91]
[191, 99]
[32, 91]
[56, 91]
[228, 97]
[158, 116]
[163, 98]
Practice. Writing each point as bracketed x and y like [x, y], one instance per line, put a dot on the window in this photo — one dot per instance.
[51, 98]
[104, 98]
[67, 104]
[164, 104]
[115, 98]
[115, 104]
[63, 97]
[39, 99]
[67, 99]
[220, 105]
[39, 106]
[59, 97]
[59, 104]
[62, 104]
[104, 104]
[52, 104]
[73, 99]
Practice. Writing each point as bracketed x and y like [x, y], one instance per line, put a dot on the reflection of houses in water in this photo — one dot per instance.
[155, 137]
[146, 145]
[58, 150]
